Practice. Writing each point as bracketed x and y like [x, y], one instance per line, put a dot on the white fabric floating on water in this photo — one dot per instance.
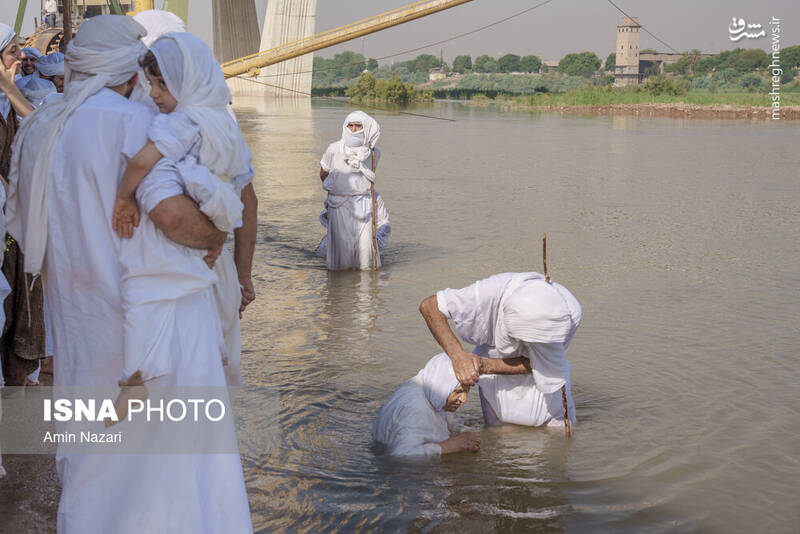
[512, 312]
[383, 224]
[410, 424]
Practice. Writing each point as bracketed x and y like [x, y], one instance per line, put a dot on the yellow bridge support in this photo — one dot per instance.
[252, 64]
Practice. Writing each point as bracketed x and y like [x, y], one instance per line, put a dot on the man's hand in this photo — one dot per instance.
[467, 367]
[211, 257]
[248, 292]
[7, 74]
[126, 217]
[464, 442]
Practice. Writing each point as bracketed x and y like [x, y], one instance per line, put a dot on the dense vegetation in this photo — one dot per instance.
[731, 72]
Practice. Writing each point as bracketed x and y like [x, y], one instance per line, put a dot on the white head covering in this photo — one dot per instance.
[157, 23]
[37, 89]
[51, 65]
[358, 146]
[7, 35]
[104, 53]
[196, 81]
[32, 52]
[438, 380]
[537, 319]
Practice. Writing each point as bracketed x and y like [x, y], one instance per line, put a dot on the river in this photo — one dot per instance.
[680, 238]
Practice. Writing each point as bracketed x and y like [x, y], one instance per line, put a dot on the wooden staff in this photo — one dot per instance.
[564, 387]
[374, 223]
[67, 22]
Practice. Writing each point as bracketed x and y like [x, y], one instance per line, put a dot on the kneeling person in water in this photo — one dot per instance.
[418, 419]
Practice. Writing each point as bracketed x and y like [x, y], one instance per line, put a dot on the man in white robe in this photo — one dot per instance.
[62, 192]
[510, 315]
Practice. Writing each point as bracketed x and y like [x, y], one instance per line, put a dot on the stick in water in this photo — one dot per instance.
[564, 387]
[374, 224]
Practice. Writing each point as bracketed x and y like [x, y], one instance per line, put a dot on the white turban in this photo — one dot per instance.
[438, 380]
[195, 79]
[51, 65]
[537, 319]
[7, 35]
[358, 146]
[37, 89]
[104, 53]
[30, 51]
[157, 23]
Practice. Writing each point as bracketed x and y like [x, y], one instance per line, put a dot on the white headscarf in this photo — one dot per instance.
[157, 23]
[538, 319]
[7, 35]
[196, 81]
[30, 51]
[438, 380]
[104, 53]
[358, 146]
[37, 89]
[51, 65]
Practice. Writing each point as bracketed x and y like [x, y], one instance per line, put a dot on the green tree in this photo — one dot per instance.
[485, 63]
[462, 64]
[790, 56]
[659, 85]
[648, 51]
[750, 60]
[372, 64]
[509, 63]
[649, 68]
[530, 63]
[584, 64]
[364, 87]
[751, 81]
[611, 61]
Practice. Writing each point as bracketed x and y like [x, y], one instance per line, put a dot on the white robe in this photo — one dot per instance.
[349, 211]
[105, 492]
[407, 425]
[176, 136]
[5, 290]
[473, 311]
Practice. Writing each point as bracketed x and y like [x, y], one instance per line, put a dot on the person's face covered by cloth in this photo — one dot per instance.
[441, 386]
[360, 130]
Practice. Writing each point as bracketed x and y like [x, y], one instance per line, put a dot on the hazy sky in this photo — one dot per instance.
[562, 26]
[551, 31]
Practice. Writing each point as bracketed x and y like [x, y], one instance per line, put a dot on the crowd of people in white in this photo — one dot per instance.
[124, 172]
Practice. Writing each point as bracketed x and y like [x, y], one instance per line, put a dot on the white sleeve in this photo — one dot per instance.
[162, 182]
[473, 309]
[327, 158]
[174, 135]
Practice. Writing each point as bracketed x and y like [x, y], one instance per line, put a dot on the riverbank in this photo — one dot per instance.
[656, 109]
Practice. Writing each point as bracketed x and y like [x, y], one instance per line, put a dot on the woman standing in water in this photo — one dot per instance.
[348, 175]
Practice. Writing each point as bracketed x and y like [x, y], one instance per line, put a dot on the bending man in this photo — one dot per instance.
[515, 316]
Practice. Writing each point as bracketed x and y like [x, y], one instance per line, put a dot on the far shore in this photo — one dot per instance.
[659, 109]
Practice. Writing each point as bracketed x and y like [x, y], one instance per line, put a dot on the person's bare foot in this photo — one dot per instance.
[47, 365]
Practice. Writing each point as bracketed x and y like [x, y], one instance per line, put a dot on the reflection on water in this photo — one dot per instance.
[682, 252]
